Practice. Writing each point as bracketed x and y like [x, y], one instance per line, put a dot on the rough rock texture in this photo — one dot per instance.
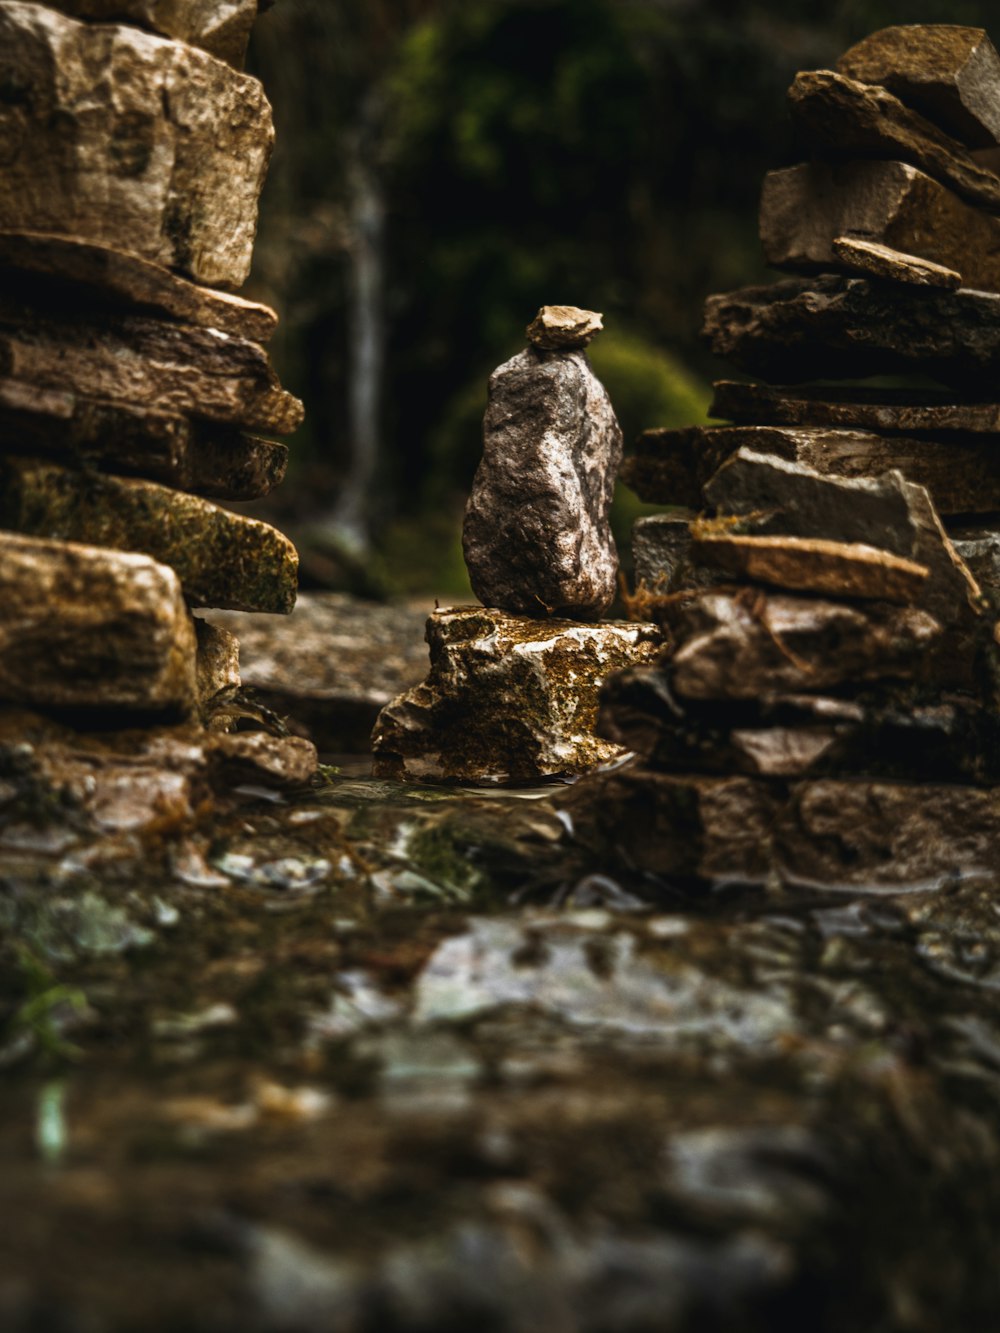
[950, 73]
[85, 628]
[889, 512]
[805, 209]
[813, 834]
[129, 140]
[801, 735]
[838, 328]
[331, 666]
[961, 471]
[537, 538]
[897, 410]
[842, 118]
[560, 328]
[83, 276]
[221, 27]
[809, 564]
[192, 456]
[146, 363]
[660, 545]
[221, 558]
[739, 645]
[875, 260]
[218, 664]
[506, 698]
[979, 547]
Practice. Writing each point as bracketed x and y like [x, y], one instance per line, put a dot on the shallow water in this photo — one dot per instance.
[389, 1057]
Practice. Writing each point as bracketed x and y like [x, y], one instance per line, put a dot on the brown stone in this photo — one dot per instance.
[660, 544]
[842, 118]
[832, 327]
[805, 209]
[82, 275]
[809, 564]
[559, 328]
[813, 834]
[221, 558]
[744, 644]
[218, 665]
[899, 410]
[255, 756]
[128, 140]
[188, 455]
[508, 698]
[880, 261]
[331, 666]
[980, 549]
[961, 471]
[786, 499]
[146, 363]
[84, 628]
[221, 27]
[950, 73]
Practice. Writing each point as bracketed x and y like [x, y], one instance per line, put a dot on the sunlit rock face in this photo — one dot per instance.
[537, 538]
[507, 698]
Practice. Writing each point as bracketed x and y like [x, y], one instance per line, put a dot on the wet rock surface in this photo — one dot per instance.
[537, 537]
[507, 698]
[132, 141]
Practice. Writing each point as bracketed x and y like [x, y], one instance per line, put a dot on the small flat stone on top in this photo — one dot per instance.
[562, 327]
[949, 73]
[882, 261]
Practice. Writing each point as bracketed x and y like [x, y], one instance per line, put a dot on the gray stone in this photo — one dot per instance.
[660, 544]
[894, 410]
[961, 471]
[875, 260]
[145, 363]
[331, 666]
[84, 276]
[129, 140]
[805, 210]
[221, 558]
[842, 118]
[537, 538]
[506, 698]
[84, 628]
[189, 455]
[831, 327]
[221, 27]
[980, 549]
[950, 73]
[218, 666]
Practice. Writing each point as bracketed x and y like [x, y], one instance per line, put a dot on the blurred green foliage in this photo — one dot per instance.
[604, 153]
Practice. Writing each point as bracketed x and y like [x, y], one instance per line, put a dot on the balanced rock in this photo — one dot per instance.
[130, 140]
[86, 628]
[559, 328]
[875, 260]
[221, 27]
[537, 536]
[221, 558]
[506, 698]
[805, 210]
[843, 118]
[950, 73]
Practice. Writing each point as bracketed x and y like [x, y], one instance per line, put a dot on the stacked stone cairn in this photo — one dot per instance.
[513, 685]
[826, 710]
[134, 388]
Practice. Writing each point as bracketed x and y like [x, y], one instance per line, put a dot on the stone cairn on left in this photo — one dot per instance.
[513, 685]
[135, 390]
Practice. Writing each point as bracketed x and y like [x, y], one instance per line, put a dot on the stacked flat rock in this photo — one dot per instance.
[135, 390]
[512, 689]
[827, 709]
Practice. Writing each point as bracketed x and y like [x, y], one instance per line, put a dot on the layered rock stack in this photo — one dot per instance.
[135, 391]
[512, 690]
[826, 711]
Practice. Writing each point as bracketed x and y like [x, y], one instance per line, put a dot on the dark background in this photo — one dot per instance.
[444, 168]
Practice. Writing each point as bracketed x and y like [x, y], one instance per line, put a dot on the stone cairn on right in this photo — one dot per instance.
[826, 711]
